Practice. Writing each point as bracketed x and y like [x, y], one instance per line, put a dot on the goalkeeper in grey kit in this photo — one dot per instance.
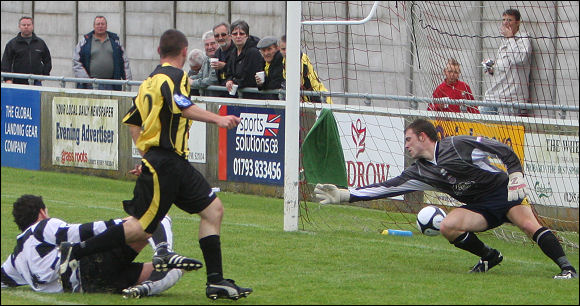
[459, 166]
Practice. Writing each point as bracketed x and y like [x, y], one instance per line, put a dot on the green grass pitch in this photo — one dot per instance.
[329, 261]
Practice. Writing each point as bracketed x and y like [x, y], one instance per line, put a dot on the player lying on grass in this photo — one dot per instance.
[36, 258]
[459, 166]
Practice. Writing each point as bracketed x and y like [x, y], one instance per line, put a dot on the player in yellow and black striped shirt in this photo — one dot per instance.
[157, 113]
[159, 122]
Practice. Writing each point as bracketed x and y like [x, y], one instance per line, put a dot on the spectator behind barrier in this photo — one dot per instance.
[99, 55]
[26, 53]
[452, 88]
[207, 75]
[245, 60]
[309, 80]
[510, 71]
[274, 67]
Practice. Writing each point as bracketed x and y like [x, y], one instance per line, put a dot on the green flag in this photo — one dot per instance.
[322, 155]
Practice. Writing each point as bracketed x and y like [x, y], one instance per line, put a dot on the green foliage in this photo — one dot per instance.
[338, 257]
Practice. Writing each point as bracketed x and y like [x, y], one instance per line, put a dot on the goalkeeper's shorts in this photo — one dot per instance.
[494, 207]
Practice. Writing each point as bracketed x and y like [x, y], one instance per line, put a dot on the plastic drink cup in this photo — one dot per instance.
[262, 76]
[234, 90]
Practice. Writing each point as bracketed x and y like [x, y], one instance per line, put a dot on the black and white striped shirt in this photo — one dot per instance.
[36, 259]
[461, 168]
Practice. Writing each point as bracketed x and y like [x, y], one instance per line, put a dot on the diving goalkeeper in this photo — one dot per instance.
[459, 166]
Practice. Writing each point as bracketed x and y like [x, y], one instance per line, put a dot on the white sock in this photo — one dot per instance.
[163, 234]
[165, 283]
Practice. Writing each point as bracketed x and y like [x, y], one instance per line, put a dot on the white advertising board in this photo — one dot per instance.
[551, 169]
[373, 147]
[85, 133]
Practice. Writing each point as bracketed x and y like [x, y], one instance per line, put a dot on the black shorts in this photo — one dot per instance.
[111, 271]
[167, 179]
[494, 207]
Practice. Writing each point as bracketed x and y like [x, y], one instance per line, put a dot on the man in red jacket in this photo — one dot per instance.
[452, 88]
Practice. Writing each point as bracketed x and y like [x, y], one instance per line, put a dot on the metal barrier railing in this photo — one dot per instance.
[322, 94]
[63, 80]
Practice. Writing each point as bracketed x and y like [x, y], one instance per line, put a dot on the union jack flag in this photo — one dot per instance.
[272, 125]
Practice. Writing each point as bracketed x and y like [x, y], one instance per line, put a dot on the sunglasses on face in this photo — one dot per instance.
[217, 35]
[238, 34]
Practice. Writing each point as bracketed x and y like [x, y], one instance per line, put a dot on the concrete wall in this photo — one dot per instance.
[138, 24]
[471, 34]
[404, 50]
[381, 57]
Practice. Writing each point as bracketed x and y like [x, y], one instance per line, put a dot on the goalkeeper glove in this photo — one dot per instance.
[330, 194]
[517, 188]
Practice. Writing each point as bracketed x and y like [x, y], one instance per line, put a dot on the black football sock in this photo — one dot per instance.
[113, 237]
[468, 241]
[158, 235]
[550, 245]
[212, 254]
[159, 238]
[157, 275]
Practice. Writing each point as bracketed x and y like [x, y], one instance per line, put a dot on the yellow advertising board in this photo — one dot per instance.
[511, 135]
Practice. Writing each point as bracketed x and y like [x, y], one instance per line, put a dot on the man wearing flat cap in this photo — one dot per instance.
[274, 67]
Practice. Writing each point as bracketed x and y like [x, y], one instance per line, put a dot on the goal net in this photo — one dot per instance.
[382, 74]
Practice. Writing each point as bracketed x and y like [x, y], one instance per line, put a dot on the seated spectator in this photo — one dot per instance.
[244, 61]
[273, 68]
[196, 58]
[207, 75]
[309, 80]
[452, 88]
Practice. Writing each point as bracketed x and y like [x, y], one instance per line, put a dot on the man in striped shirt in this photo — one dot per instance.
[36, 258]
[459, 166]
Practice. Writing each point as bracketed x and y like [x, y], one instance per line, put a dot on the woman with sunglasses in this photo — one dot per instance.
[245, 60]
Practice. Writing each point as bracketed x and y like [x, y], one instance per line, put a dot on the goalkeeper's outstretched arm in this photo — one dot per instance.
[330, 194]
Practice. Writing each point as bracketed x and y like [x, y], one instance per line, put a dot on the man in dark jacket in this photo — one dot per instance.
[273, 69]
[99, 55]
[221, 33]
[245, 60]
[26, 53]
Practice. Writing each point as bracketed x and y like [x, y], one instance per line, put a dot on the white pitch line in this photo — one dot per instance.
[120, 209]
[47, 298]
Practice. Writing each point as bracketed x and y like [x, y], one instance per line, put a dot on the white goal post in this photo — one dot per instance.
[291, 157]
[291, 153]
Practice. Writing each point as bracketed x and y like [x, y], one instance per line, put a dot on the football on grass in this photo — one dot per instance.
[429, 220]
